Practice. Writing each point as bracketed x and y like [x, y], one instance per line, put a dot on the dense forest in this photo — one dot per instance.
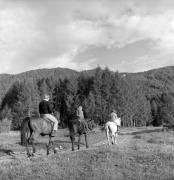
[140, 99]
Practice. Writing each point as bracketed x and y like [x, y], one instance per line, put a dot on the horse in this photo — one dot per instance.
[111, 129]
[79, 128]
[32, 127]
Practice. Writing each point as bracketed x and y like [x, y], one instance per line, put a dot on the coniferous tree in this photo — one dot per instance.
[96, 91]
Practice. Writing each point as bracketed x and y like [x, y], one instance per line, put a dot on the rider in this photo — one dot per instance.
[45, 110]
[114, 117]
[80, 114]
[81, 119]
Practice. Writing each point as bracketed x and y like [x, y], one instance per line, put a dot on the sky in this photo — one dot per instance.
[125, 36]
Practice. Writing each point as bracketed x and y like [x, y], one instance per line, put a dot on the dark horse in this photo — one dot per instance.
[77, 128]
[31, 128]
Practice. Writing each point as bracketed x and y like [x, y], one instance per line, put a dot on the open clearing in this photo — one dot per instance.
[141, 153]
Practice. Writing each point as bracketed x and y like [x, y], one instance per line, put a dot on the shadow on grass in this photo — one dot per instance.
[159, 141]
[6, 151]
[142, 132]
[65, 144]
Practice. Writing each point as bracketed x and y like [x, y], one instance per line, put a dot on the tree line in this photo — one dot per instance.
[98, 93]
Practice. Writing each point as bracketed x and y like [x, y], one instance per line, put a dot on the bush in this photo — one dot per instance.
[91, 124]
[5, 125]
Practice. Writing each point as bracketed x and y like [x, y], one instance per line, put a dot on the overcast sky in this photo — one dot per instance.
[124, 35]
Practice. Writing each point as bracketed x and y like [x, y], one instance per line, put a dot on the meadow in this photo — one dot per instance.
[141, 153]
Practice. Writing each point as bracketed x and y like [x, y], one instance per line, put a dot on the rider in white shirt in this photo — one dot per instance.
[114, 117]
[80, 114]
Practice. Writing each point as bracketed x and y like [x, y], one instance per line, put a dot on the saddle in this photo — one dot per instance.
[83, 126]
[47, 122]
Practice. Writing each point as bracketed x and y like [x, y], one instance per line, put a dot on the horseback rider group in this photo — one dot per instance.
[46, 111]
[37, 125]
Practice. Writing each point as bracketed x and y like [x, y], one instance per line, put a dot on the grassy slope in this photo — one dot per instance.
[146, 154]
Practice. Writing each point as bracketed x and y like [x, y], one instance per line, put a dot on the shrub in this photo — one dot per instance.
[91, 124]
[5, 125]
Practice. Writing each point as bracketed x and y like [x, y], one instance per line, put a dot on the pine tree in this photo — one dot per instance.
[96, 91]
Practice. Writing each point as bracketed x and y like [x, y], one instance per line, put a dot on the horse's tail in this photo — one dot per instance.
[25, 130]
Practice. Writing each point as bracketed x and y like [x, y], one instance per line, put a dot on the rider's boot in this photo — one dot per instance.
[53, 134]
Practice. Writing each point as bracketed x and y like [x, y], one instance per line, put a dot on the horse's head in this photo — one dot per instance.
[118, 121]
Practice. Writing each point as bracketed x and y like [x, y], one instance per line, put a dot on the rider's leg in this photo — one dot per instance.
[54, 120]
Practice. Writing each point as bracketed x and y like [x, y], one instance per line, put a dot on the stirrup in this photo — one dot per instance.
[53, 134]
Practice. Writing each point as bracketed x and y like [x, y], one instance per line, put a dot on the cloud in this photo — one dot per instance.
[36, 34]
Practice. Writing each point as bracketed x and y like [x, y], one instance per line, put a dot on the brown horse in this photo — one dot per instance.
[31, 128]
[77, 128]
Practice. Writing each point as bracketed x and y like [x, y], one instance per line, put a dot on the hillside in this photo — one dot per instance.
[152, 82]
[6, 80]
[140, 98]
[156, 81]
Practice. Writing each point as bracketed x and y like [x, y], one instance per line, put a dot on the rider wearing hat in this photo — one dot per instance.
[80, 114]
[113, 115]
[83, 124]
[46, 111]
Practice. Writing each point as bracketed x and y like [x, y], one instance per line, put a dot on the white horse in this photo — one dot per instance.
[111, 129]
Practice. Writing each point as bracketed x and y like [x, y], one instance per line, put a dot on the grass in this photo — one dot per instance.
[146, 154]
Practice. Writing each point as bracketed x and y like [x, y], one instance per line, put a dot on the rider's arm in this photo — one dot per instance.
[50, 109]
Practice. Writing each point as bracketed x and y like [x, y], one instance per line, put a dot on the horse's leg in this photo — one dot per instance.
[72, 141]
[49, 145]
[27, 145]
[29, 141]
[79, 142]
[113, 138]
[107, 135]
[33, 139]
[86, 140]
[27, 148]
[33, 146]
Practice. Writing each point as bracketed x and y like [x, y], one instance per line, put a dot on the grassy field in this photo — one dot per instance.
[141, 153]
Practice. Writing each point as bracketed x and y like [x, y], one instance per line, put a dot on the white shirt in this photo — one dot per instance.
[113, 116]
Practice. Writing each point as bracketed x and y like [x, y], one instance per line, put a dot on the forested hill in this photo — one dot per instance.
[7, 80]
[139, 98]
[156, 81]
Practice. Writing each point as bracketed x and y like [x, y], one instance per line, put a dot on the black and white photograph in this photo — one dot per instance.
[86, 89]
